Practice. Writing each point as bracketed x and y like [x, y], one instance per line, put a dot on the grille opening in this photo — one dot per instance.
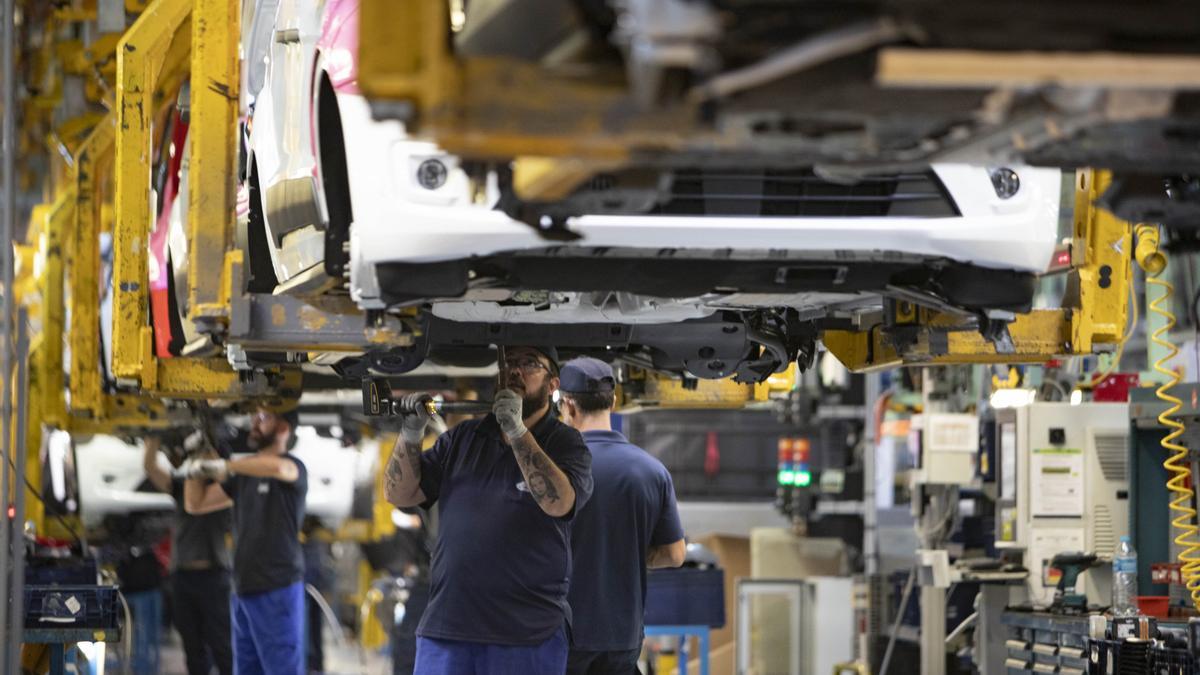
[771, 193]
[792, 193]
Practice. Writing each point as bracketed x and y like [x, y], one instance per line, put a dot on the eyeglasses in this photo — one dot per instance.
[527, 365]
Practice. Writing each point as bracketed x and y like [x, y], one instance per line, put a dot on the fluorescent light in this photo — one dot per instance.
[1012, 398]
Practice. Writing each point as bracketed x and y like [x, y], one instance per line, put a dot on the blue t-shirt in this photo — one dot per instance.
[501, 565]
[632, 509]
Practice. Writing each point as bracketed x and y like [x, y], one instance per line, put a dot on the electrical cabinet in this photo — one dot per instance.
[1062, 484]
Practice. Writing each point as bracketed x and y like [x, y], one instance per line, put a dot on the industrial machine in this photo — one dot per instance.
[1063, 486]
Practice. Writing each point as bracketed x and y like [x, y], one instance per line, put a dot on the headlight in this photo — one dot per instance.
[1005, 181]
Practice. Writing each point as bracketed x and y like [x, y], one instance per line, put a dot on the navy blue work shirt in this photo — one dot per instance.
[501, 565]
[632, 509]
[267, 514]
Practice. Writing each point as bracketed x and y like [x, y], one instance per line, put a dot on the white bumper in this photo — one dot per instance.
[397, 220]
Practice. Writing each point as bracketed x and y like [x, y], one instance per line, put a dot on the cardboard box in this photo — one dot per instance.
[733, 554]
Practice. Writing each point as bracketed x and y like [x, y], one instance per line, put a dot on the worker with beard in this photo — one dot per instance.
[507, 488]
[267, 491]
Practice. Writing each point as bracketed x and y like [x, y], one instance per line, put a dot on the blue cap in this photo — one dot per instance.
[586, 375]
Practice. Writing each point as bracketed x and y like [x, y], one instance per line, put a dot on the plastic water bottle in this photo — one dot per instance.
[1125, 567]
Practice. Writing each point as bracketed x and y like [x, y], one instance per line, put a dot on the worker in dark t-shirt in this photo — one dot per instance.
[507, 488]
[267, 492]
[200, 584]
[630, 524]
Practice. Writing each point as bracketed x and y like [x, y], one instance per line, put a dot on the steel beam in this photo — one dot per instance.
[142, 57]
[210, 379]
[49, 366]
[214, 154]
[1094, 309]
[8, 195]
[126, 413]
[468, 106]
[1102, 254]
[92, 168]
[21, 381]
[1037, 336]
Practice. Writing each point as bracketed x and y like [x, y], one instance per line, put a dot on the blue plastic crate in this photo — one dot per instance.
[96, 607]
[685, 597]
[55, 572]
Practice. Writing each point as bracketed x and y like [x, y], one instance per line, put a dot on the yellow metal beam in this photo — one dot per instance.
[214, 149]
[1103, 257]
[1093, 315]
[494, 107]
[93, 172]
[1037, 336]
[48, 367]
[210, 379]
[35, 510]
[141, 58]
[125, 413]
[648, 390]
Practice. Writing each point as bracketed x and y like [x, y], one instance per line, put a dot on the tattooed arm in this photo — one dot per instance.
[547, 483]
[402, 477]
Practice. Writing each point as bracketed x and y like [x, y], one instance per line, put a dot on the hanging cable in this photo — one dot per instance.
[1177, 464]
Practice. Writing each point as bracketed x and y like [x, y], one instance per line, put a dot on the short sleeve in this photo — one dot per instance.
[300, 485]
[434, 462]
[668, 529]
[571, 455]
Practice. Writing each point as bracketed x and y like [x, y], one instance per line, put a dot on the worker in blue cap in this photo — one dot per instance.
[633, 489]
[508, 487]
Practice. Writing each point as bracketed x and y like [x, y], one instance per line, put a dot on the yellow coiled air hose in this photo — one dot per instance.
[1184, 522]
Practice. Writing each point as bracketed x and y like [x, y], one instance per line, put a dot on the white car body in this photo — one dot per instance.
[396, 219]
[333, 473]
[109, 473]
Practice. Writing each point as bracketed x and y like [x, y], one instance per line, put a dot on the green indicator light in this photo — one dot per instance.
[786, 477]
[803, 478]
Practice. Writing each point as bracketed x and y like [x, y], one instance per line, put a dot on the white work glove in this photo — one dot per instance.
[507, 409]
[197, 468]
[412, 427]
[195, 443]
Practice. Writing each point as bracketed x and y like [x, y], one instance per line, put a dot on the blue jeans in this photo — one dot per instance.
[451, 657]
[268, 631]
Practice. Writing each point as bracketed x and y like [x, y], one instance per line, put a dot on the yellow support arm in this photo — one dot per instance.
[92, 168]
[142, 56]
[1094, 310]
[48, 366]
[214, 150]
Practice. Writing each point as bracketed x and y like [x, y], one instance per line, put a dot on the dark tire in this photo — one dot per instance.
[335, 181]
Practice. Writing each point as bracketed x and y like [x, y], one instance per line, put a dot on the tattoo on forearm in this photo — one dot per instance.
[393, 475]
[539, 471]
[395, 478]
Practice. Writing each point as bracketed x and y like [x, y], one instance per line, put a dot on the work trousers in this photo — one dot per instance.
[452, 657]
[268, 631]
[200, 605]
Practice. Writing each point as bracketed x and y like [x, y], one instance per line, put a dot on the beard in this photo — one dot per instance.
[259, 439]
[535, 400]
[531, 400]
